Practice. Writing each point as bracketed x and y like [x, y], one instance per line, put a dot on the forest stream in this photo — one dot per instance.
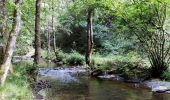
[75, 84]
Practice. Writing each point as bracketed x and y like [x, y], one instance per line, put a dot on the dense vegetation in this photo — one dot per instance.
[126, 37]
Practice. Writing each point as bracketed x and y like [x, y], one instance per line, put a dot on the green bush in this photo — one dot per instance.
[25, 68]
[132, 70]
[129, 66]
[100, 63]
[61, 56]
[75, 58]
[17, 86]
[166, 75]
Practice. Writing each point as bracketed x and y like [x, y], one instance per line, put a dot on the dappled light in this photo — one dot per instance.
[84, 50]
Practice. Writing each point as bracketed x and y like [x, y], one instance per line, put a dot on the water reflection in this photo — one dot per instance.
[94, 89]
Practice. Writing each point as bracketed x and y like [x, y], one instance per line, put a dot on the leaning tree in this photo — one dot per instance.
[6, 63]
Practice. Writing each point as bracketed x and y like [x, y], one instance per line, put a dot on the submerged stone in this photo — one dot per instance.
[158, 86]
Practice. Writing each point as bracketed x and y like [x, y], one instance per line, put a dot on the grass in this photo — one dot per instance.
[166, 75]
[73, 58]
[130, 66]
[111, 60]
[17, 86]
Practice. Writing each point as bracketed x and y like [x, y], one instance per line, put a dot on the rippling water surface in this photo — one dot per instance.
[84, 88]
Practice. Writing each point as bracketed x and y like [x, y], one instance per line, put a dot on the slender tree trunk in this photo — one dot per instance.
[11, 42]
[2, 17]
[60, 40]
[48, 41]
[90, 42]
[37, 33]
[2, 28]
[48, 34]
[54, 37]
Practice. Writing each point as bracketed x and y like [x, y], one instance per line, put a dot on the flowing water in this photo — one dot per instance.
[66, 86]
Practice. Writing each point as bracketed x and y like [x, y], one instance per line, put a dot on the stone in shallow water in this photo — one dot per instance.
[159, 89]
[107, 76]
[158, 86]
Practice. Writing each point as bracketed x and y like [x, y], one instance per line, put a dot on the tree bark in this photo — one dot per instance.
[54, 37]
[11, 42]
[48, 40]
[2, 16]
[37, 33]
[90, 42]
[60, 40]
[2, 28]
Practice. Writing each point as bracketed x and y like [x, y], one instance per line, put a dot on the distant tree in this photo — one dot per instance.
[53, 30]
[89, 7]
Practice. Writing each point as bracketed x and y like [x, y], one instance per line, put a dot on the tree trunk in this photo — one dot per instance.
[2, 28]
[48, 40]
[90, 42]
[60, 40]
[54, 37]
[2, 16]
[37, 33]
[1, 54]
[11, 42]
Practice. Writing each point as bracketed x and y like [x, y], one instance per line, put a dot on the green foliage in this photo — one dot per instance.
[61, 56]
[131, 70]
[17, 85]
[101, 63]
[129, 66]
[25, 68]
[146, 19]
[75, 58]
[72, 58]
[166, 75]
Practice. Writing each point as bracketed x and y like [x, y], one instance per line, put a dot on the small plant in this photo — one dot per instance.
[75, 58]
[132, 70]
[17, 86]
[166, 75]
[60, 56]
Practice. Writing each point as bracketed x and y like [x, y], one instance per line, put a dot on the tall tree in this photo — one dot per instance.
[37, 33]
[89, 6]
[53, 30]
[2, 27]
[90, 42]
[2, 17]
[11, 41]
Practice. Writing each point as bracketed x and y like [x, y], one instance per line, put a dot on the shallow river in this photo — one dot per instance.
[85, 88]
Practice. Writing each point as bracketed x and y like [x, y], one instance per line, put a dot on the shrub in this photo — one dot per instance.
[17, 86]
[60, 56]
[132, 70]
[25, 68]
[75, 58]
[166, 75]
[100, 63]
